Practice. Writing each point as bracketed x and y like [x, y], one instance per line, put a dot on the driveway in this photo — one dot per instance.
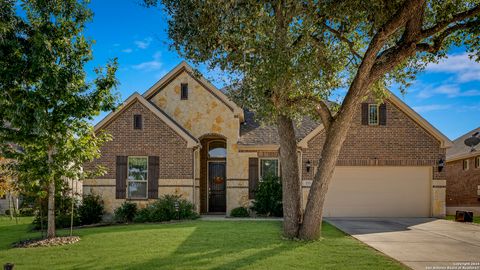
[420, 243]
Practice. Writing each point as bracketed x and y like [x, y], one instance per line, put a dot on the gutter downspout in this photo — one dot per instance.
[194, 189]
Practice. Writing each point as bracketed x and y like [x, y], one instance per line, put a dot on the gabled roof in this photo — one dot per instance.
[253, 133]
[184, 67]
[191, 140]
[444, 141]
[459, 150]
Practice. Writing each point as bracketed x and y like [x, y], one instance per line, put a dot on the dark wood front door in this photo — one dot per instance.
[216, 187]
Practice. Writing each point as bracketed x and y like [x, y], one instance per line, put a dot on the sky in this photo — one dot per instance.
[446, 94]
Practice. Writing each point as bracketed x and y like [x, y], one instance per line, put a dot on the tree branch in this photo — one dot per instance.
[443, 24]
[339, 35]
[325, 114]
[438, 41]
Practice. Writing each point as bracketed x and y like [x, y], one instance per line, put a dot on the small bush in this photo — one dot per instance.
[268, 197]
[126, 212]
[27, 212]
[91, 209]
[239, 212]
[164, 210]
[7, 212]
[63, 208]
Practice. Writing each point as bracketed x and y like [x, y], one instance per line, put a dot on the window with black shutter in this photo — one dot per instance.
[184, 91]
[137, 121]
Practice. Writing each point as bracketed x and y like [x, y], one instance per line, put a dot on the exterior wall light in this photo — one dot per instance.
[308, 165]
[441, 164]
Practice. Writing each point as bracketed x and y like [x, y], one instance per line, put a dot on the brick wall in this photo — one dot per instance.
[155, 139]
[462, 185]
[401, 142]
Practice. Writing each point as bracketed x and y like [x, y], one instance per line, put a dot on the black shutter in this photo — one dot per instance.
[153, 174]
[382, 114]
[365, 114]
[121, 177]
[252, 177]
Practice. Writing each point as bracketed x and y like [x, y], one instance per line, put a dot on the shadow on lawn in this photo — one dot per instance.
[217, 250]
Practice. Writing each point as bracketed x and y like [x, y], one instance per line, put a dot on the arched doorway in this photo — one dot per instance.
[213, 158]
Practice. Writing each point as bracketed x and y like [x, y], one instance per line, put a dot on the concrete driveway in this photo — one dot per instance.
[420, 243]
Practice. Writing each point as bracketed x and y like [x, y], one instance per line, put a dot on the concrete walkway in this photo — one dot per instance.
[420, 243]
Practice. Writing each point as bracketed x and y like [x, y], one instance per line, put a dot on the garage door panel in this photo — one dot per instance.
[379, 192]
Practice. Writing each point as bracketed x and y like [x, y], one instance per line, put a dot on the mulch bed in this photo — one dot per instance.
[49, 242]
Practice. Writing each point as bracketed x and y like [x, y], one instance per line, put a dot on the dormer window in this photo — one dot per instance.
[184, 91]
[137, 121]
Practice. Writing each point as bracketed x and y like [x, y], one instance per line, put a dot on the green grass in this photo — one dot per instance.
[191, 245]
[476, 219]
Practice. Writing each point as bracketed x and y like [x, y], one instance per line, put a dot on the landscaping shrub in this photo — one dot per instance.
[26, 212]
[91, 210]
[63, 206]
[164, 210]
[126, 212]
[239, 212]
[268, 197]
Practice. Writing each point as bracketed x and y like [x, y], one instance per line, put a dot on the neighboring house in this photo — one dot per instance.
[183, 136]
[463, 176]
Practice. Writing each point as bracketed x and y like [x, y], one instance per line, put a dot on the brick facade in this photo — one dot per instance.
[401, 142]
[155, 139]
[463, 185]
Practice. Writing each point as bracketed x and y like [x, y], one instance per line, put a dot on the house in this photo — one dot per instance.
[183, 136]
[463, 176]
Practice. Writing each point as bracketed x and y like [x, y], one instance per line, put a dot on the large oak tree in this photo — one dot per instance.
[286, 59]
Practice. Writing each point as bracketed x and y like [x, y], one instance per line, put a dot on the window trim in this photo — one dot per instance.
[134, 121]
[377, 106]
[184, 95]
[260, 166]
[466, 164]
[140, 181]
[477, 162]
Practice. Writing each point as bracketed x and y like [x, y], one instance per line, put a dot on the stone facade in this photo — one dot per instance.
[463, 186]
[207, 115]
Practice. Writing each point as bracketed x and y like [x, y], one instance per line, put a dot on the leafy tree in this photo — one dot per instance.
[290, 57]
[45, 102]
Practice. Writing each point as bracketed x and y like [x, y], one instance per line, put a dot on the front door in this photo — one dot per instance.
[216, 187]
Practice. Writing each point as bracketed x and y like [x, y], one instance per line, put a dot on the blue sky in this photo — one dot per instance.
[446, 94]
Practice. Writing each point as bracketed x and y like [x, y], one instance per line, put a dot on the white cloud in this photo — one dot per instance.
[432, 107]
[143, 44]
[154, 64]
[449, 90]
[460, 65]
[127, 50]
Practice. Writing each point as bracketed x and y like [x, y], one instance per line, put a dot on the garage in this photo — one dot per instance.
[379, 192]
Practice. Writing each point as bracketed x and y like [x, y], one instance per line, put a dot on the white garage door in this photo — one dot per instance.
[379, 192]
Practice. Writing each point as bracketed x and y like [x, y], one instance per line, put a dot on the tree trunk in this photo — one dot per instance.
[334, 138]
[51, 200]
[290, 177]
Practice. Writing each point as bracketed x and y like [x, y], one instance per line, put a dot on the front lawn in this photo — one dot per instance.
[191, 245]
[476, 219]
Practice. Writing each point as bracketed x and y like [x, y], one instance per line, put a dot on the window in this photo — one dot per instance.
[137, 177]
[268, 167]
[372, 114]
[477, 162]
[465, 165]
[137, 121]
[184, 91]
[217, 149]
